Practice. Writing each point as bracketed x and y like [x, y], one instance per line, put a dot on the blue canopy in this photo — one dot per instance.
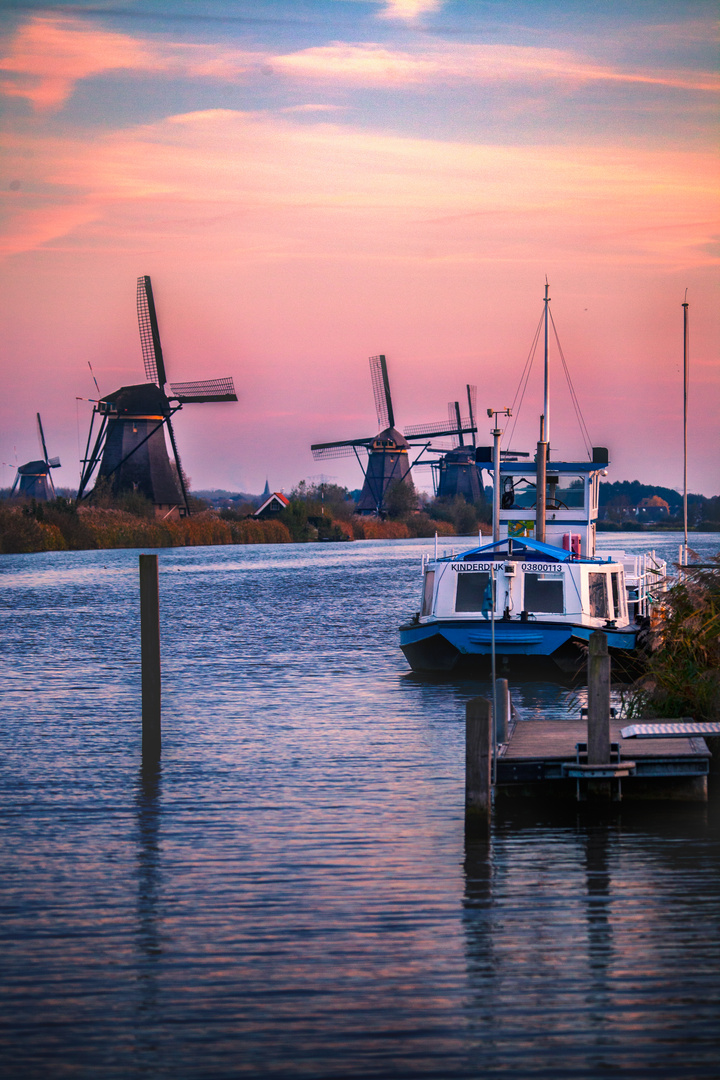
[525, 543]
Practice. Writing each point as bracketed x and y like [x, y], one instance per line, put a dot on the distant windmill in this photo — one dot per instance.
[129, 451]
[33, 479]
[388, 451]
[455, 470]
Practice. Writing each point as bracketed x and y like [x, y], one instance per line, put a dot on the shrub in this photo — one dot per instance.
[681, 676]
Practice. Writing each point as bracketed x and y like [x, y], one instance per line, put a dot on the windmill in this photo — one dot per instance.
[454, 471]
[33, 479]
[388, 451]
[129, 451]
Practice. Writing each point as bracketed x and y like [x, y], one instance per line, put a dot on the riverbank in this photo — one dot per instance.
[61, 526]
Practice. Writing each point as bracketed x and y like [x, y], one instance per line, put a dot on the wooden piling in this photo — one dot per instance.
[502, 716]
[598, 739]
[150, 654]
[478, 760]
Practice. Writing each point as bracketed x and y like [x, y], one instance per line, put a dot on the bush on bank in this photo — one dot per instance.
[682, 675]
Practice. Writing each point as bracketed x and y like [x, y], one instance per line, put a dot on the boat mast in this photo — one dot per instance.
[546, 395]
[685, 417]
[543, 445]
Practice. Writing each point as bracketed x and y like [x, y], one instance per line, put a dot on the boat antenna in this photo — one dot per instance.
[546, 395]
[686, 361]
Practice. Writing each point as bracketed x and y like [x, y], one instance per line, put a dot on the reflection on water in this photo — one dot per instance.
[290, 893]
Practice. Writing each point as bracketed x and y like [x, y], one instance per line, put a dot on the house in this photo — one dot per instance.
[652, 509]
[273, 505]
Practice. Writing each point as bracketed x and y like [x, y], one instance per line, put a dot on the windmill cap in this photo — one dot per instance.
[145, 399]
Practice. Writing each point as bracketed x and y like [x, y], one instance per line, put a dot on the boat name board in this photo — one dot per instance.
[483, 568]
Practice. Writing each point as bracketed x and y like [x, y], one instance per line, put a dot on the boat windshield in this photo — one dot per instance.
[563, 492]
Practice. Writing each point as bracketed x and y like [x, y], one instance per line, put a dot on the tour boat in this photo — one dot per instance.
[540, 588]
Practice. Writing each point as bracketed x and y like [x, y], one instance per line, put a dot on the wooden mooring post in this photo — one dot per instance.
[598, 740]
[502, 714]
[478, 761]
[150, 655]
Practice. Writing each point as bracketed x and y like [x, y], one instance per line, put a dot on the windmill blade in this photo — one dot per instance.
[418, 430]
[181, 476]
[149, 334]
[41, 437]
[205, 390]
[54, 462]
[441, 430]
[456, 421]
[472, 407]
[381, 390]
[327, 453]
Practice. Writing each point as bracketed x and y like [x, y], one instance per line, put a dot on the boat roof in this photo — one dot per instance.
[582, 467]
[526, 543]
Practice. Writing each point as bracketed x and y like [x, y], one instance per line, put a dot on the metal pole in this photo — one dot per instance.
[502, 710]
[546, 395]
[493, 665]
[150, 653]
[496, 484]
[685, 417]
[541, 483]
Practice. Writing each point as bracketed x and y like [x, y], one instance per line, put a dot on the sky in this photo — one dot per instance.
[314, 182]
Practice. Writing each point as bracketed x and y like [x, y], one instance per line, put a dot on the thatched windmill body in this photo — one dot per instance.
[129, 452]
[388, 459]
[455, 471]
[33, 480]
[388, 452]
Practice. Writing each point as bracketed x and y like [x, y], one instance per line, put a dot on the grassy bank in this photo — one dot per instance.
[61, 526]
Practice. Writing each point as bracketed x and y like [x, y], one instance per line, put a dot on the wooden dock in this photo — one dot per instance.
[541, 759]
[590, 760]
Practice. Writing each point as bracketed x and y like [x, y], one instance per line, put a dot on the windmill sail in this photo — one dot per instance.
[149, 334]
[381, 390]
[207, 390]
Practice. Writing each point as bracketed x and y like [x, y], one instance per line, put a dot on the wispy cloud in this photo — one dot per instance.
[375, 64]
[408, 10]
[50, 54]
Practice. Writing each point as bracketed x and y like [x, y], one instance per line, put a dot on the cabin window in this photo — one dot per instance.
[428, 588]
[597, 584]
[562, 492]
[517, 492]
[544, 592]
[569, 490]
[617, 607]
[471, 589]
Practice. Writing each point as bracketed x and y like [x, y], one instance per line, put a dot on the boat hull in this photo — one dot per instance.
[443, 645]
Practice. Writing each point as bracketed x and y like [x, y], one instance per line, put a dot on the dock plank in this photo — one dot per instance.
[533, 740]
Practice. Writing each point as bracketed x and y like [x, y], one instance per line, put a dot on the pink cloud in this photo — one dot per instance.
[50, 54]
[261, 184]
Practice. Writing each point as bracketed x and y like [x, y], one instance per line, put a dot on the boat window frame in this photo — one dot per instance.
[598, 575]
[547, 577]
[426, 606]
[482, 576]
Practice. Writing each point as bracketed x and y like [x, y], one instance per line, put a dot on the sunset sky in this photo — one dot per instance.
[310, 183]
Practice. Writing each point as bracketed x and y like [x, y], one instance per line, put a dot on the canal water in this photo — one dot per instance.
[290, 893]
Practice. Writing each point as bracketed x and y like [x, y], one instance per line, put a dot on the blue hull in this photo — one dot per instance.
[440, 646]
